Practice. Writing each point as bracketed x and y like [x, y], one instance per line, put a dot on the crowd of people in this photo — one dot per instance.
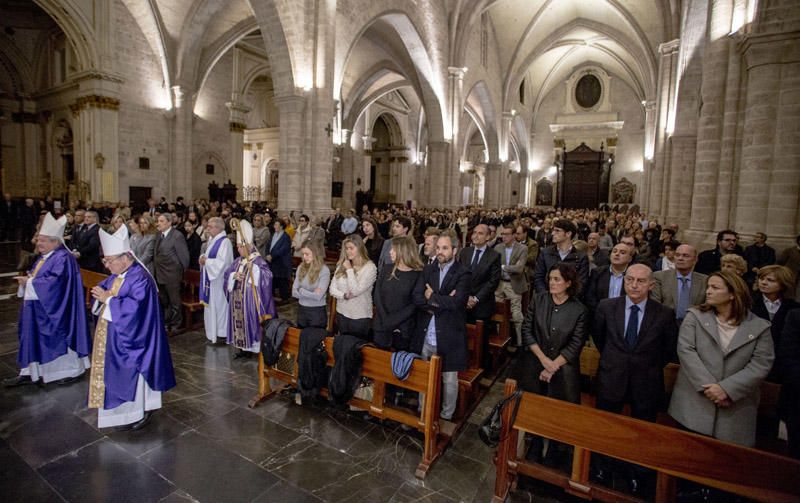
[411, 279]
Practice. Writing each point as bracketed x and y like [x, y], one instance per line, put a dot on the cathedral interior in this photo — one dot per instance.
[687, 109]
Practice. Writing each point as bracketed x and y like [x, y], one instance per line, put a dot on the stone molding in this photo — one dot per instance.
[94, 101]
[670, 47]
[768, 48]
[237, 127]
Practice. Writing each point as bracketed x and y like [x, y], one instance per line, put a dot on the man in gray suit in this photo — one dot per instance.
[513, 280]
[682, 288]
[170, 260]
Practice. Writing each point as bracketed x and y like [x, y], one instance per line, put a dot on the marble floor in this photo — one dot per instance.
[205, 444]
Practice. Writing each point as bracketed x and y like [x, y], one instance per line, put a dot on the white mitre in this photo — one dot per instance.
[115, 244]
[52, 227]
[244, 234]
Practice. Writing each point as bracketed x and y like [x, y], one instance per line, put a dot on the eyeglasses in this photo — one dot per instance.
[107, 260]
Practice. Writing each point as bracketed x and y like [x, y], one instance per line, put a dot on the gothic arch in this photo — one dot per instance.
[77, 29]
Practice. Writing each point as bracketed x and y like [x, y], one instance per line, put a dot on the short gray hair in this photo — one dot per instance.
[167, 216]
[217, 222]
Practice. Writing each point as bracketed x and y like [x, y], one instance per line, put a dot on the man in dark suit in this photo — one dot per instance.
[170, 261]
[609, 281]
[560, 251]
[636, 337]
[279, 256]
[87, 244]
[709, 260]
[484, 264]
[442, 297]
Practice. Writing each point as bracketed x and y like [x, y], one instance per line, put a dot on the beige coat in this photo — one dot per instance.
[516, 268]
[739, 372]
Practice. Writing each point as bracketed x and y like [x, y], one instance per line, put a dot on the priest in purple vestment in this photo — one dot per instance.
[131, 362]
[54, 341]
[248, 283]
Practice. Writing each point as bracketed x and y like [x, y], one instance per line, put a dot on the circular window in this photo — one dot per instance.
[588, 90]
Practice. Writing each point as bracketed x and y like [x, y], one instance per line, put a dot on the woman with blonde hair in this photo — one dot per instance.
[143, 241]
[352, 288]
[725, 352]
[310, 286]
[394, 324]
[733, 263]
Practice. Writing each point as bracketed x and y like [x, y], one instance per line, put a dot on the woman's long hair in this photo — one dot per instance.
[741, 302]
[363, 256]
[312, 270]
[407, 253]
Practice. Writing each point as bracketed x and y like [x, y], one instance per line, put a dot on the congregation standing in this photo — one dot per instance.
[411, 279]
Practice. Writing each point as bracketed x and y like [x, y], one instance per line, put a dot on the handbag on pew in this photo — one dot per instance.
[492, 425]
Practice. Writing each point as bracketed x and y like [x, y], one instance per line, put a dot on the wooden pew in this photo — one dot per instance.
[500, 339]
[671, 452]
[469, 390]
[190, 298]
[425, 377]
[90, 280]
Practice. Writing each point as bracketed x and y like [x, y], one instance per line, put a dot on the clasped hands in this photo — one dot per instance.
[21, 279]
[716, 394]
[100, 294]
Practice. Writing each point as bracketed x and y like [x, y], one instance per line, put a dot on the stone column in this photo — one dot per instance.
[96, 134]
[181, 168]
[456, 101]
[662, 113]
[716, 60]
[318, 173]
[237, 123]
[491, 191]
[348, 167]
[437, 173]
[30, 161]
[290, 174]
[769, 181]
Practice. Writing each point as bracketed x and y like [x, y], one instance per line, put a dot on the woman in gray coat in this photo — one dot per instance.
[553, 334]
[725, 353]
[143, 241]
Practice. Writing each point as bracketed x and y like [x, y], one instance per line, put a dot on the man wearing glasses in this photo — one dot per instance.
[709, 260]
[131, 362]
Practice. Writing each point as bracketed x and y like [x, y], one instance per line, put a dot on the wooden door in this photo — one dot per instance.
[581, 180]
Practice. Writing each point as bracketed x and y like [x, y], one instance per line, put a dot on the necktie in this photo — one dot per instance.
[633, 327]
[683, 299]
[476, 258]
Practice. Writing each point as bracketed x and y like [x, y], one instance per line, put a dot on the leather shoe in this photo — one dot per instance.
[138, 425]
[13, 382]
[69, 380]
[243, 354]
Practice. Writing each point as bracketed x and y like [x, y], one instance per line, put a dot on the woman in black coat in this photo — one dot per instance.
[774, 285]
[789, 368]
[553, 334]
[393, 296]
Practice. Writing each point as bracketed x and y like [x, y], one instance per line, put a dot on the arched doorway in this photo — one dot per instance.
[388, 160]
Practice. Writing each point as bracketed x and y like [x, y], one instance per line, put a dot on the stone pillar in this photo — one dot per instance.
[181, 168]
[96, 134]
[491, 191]
[769, 181]
[437, 173]
[318, 172]
[290, 174]
[237, 123]
[456, 102]
[348, 168]
[662, 113]
[30, 161]
[716, 60]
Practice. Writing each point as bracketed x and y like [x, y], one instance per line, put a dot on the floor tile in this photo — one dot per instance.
[208, 472]
[19, 482]
[111, 473]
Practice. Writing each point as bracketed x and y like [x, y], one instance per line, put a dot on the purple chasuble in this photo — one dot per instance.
[205, 283]
[136, 342]
[246, 312]
[56, 321]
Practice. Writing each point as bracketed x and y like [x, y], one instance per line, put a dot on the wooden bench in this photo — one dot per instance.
[671, 452]
[500, 339]
[425, 377]
[90, 280]
[469, 391]
[190, 297]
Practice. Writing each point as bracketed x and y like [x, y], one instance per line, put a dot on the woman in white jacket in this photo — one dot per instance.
[352, 285]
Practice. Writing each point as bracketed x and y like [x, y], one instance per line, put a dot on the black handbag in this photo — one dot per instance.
[492, 425]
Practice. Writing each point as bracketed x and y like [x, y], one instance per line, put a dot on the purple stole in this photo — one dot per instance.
[205, 290]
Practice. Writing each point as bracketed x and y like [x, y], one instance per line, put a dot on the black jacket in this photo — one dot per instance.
[346, 372]
[789, 367]
[449, 304]
[312, 359]
[485, 277]
[88, 245]
[637, 373]
[776, 328]
[274, 332]
[550, 257]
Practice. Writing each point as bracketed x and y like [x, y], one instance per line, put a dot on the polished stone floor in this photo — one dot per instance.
[205, 444]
